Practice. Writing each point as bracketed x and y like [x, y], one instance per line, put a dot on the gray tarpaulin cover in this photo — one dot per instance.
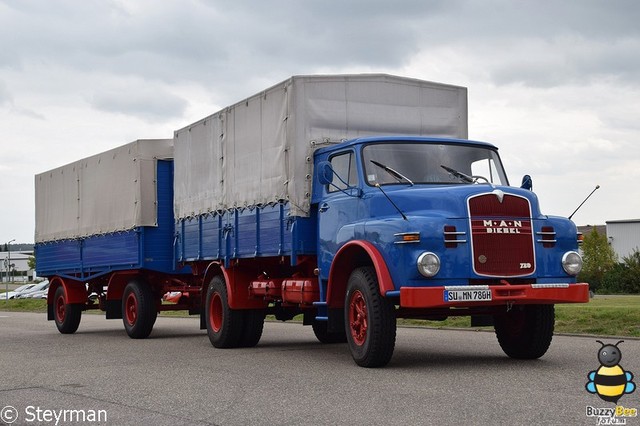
[257, 151]
[109, 192]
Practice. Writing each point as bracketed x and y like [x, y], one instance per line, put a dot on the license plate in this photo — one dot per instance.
[467, 295]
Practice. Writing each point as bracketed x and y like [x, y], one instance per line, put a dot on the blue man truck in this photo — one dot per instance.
[348, 201]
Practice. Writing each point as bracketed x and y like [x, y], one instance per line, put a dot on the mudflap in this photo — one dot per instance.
[336, 320]
[113, 309]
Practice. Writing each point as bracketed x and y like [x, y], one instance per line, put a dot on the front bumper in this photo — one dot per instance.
[522, 294]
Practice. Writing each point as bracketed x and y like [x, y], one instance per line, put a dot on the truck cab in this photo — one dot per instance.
[436, 225]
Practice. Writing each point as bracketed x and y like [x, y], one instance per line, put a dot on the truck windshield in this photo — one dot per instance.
[423, 163]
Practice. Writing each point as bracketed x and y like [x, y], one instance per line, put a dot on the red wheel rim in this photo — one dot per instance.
[60, 308]
[131, 309]
[215, 312]
[358, 318]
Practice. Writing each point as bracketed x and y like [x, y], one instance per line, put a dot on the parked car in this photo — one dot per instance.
[14, 293]
[37, 294]
[36, 289]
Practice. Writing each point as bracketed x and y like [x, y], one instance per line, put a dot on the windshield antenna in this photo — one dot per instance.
[377, 185]
[585, 200]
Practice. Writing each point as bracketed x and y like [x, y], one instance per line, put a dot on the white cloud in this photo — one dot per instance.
[150, 102]
[555, 84]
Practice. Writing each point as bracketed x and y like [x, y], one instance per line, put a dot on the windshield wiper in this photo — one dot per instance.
[463, 177]
[396, 174]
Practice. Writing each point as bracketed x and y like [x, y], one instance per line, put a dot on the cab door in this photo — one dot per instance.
[338, 209]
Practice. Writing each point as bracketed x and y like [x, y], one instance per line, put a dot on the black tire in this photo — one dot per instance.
[139, 311]
[370, 320]
[224, 325]
[252, 326]
[320, 330]
[526, 331]
[66, 316]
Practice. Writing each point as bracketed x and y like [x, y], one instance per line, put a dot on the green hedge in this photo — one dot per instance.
[621, 278]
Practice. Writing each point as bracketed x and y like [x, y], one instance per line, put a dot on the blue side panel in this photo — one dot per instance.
[265, 231]
[248, 222]
[191, 230]
[89, 257]
[271, 233]
[112, 249]
[140, 248]
[55, 256]
[158, 241]
[212, 237]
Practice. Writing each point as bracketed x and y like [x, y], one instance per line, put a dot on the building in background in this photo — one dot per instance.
[587, 229]
[17, 268]
[624, 236]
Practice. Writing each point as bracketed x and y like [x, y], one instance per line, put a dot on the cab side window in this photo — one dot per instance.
[344, 166]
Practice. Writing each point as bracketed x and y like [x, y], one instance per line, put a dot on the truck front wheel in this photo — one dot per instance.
[67, 316]
[525, 332]
[224, 325]
[139, 311]
[370, 320]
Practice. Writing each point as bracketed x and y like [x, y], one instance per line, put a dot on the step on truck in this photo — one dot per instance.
[347, 201]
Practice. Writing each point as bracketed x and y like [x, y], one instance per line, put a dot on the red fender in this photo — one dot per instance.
[74, 291]
[118, 281]
[351, 255]
[237, 279]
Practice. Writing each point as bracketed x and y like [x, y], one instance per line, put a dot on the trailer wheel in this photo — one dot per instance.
[526, 331]
[323, 336]
[139, 310]
[370, 320]
[67, 316]
[224, 325]
[253, 324]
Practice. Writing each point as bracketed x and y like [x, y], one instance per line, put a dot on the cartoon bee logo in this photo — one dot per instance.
[610, 381]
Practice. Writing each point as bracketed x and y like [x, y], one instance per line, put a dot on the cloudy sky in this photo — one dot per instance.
[554, 84]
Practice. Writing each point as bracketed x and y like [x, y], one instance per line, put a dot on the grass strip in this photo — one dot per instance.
[603, 316]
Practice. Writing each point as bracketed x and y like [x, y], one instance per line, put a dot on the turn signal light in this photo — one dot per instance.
[407, 237]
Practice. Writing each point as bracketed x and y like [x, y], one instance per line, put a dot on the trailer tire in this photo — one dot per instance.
[370, 320]
[67, 316]
[253, 324]
[224, 325]
[324, 336]
[139, 310]
[526, 331]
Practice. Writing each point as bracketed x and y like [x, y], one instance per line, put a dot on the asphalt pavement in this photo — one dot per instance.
[175, 377]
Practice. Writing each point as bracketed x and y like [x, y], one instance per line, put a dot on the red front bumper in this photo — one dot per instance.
[524, 294]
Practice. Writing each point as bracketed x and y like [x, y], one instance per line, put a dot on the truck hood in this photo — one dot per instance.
[450, 201]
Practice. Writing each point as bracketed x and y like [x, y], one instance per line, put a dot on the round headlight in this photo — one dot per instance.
[572, 263]
[428, 264]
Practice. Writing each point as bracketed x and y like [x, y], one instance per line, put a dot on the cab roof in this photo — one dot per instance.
[403, 139]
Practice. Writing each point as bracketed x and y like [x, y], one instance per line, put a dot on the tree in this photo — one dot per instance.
[625, 276]
[598, 257]
[31, 262]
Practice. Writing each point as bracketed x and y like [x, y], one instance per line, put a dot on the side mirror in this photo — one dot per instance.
[325, 173]
[527, 183]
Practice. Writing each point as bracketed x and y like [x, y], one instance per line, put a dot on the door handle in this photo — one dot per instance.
[323, 207]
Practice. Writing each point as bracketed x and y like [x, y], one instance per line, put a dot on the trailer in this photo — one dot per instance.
[347, 200]
[104, 235]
